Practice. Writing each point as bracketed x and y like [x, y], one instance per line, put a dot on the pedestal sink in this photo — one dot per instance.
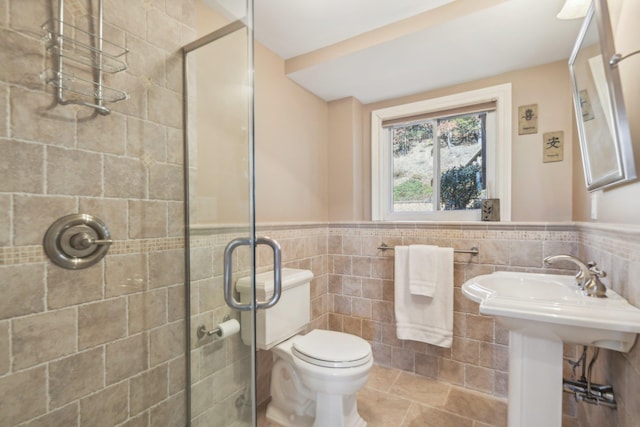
[543, 311]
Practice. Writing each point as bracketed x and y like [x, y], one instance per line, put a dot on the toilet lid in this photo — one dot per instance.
[332, 349]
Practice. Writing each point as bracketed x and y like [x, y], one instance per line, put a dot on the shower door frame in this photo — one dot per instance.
[203, 41]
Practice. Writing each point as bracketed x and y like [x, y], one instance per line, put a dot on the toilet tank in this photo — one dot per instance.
[282, 321]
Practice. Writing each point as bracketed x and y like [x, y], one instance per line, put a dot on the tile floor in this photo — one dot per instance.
[394, 398]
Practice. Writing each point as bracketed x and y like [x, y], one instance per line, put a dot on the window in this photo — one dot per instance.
[437, 159]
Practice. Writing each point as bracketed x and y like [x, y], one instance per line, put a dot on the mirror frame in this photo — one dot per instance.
[621, 135]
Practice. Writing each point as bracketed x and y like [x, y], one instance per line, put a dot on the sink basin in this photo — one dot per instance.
[551, 306]
[543, 311]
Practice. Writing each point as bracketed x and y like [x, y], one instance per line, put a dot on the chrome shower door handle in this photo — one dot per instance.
[228, 274]
[277, 273]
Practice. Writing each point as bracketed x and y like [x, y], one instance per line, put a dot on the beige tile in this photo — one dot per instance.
[381, 409]
[176, 219]
[14, 407]
[426, 365]
[381, 378]
[166, 268]
[420, 389]
[22, 290]
[64, 376]
[43, 337]
[494, 356]
[33, 215]
[104, 134]
[4, 13]
[148, 389]
[477, 406]
[73, 172]
[382, 268]
[55, 126]
[126, 358]
[480, 328]
[106, 408]
[163, 31]
[464, 350]
[101, 322]
[361, 266]
[147, 310]
[5, 354]
[165, 107]
[113, 212]
[177, 375]
[125, 274]
[176, 304]
[125, 14]
[166, 342]
[371, 331]
[5, 220]
[382, 311]
[136, 87]
[21, 166]
[70, 287]
[425, 416]
[166, 182]
[352, 325]
[352, 286]
[478, 378]
[361, 307]
[451, 371]
[175, 144]
[170, 413]
[403, 359]
[146, 140]
[19, 52]
[372, 289]
[525, 253]
[124, 177]
[144, 59]
[202, 396]
[65, 416]
[147, 219]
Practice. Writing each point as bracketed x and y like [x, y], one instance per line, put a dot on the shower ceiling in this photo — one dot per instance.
[379, 49]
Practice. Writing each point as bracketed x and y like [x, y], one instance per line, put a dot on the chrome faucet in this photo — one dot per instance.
[588, 277]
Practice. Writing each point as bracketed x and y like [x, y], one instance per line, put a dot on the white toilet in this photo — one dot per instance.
[315, 376]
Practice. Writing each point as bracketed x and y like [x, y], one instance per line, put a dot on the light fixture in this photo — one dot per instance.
[574, 9]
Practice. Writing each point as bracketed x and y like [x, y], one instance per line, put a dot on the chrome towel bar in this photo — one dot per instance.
[473, 251]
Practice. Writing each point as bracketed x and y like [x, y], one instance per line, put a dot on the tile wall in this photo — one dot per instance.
[616, 249]
[102, 346]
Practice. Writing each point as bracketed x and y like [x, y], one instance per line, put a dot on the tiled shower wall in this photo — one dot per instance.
[102, 346]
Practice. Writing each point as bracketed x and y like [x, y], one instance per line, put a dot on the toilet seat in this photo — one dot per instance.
[332, 349]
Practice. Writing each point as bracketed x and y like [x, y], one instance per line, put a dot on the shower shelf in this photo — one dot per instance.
[82, 52]
[87, 53]
[83, 87]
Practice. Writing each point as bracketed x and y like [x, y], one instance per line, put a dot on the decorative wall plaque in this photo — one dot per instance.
[553, 148]
[528, 119]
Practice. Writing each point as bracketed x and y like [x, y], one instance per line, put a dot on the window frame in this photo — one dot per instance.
[498, 154]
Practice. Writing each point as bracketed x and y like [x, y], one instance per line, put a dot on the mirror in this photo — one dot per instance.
[605, 140]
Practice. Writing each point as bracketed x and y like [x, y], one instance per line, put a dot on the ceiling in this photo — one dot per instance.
[381, 49]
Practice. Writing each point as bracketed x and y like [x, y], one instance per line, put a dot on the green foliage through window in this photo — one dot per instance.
[411, 190]
[459, 187]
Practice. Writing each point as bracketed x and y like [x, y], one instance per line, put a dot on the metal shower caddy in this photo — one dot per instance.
[89, 53]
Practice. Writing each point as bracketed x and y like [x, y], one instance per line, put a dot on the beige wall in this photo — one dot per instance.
[291, 146]
[540, 191]
[620, 204]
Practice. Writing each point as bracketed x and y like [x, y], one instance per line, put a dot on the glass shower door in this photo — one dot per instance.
[221, 227]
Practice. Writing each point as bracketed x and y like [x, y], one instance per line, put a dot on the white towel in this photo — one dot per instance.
[420, 318]
[423, 269]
